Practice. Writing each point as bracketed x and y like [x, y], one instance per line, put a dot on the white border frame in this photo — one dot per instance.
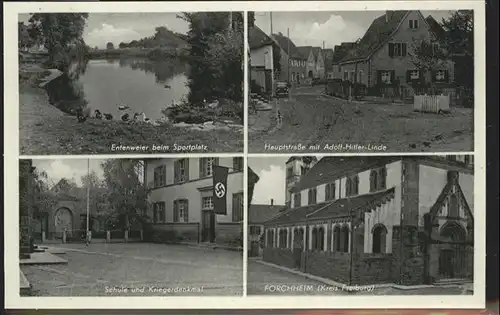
[11, 129]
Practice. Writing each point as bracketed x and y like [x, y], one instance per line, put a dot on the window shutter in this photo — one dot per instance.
[391, 50]
[403, 49]
[416, 24]
[379, 77]
[202, 169]
[186, 214]
[408, 76]
[176, 171]
[433, 76]
[186, 165]
[176, 212]
[216, 161]
[446, 76]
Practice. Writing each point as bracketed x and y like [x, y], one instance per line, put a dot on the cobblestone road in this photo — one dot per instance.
[139, 269]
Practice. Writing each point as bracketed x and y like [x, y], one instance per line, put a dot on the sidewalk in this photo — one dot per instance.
[466, 288]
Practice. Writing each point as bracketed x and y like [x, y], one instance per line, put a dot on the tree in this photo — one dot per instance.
[98, 198]
[25, 41]
[122, 45]
[110, 45]
[127, 194]
[60, 33]
[427, 56]
[206, 35]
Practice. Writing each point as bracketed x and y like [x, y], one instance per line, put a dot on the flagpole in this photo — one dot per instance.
[88, 201]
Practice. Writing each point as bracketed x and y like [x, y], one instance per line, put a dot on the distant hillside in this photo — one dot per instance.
[163, 38]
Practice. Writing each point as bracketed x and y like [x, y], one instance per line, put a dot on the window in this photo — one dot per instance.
[397, 50]
[237, 207]
[453, 209]
[360, 76]
[254, 230]
[181, 211]
[346, 75]
[344, 237]
[318, 238]
[270, 238]
[352, 186]
[206, 166]
[159, 176]
[283, 234]
[207, 203]
[312, 194]
[413, 24]
[237, 164]
[336, 239]
[414, 74]
[181, 170]
[378, 179]
[330, 191]
[296, 200]
[385, 77]
[379, 239]
[159, 212]
[441, 75]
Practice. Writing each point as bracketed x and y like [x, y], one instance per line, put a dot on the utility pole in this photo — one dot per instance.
[288, 53]
[87, 235]
[272, 59]
[230, 20]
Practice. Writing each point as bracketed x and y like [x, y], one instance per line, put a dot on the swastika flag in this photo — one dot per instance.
[220, 189]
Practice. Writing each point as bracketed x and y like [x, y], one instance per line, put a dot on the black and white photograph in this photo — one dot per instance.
[365, 225]
[361, 81]
[118, 83]
[130, 227]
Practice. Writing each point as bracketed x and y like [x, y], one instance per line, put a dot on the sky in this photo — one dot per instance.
[312, 28]
[72, 169]
[124, 27]
[271, 184]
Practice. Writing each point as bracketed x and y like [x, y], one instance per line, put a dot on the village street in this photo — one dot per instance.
[148, 269]
[269, 280]
[311, 118]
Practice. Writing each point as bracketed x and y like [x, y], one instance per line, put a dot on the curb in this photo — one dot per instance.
[355, 288]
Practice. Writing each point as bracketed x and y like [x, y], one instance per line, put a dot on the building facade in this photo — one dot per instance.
[315, 65]
[181, 199]
[293, 63]
[261, 60]
[383, 57]
[371, 220]
[296, 167]
[258, 214]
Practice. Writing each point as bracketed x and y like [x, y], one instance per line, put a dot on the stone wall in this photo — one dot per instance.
[331, 265]
[372, 268]
[229, 234]
[174, 232]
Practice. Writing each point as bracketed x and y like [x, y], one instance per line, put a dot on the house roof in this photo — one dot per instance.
[436, 28]
[257, 38]
[263, 213]
[379, 31]
[342, 207]
[332, 209]
[286, 43]
[304, 51]
[341, 50]
[330, 168]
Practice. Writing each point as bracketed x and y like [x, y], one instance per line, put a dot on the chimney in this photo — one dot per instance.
[272, 202]
[387, 16]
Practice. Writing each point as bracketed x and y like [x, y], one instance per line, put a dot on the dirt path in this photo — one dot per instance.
[312, 119]
[45, 130]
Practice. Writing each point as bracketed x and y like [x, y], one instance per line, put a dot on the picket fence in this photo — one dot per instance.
[431, 103]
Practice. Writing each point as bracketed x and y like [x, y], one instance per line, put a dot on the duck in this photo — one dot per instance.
[98, 114]
[108, 116]
[214, 104]
[123, 107]
[126, 117]
[136, 116]
[167, 86]
[144, 118]
[79, 115]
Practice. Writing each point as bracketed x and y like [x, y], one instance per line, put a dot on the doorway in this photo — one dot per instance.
[208, 226]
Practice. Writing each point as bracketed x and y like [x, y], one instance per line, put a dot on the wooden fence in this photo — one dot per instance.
[431, 103]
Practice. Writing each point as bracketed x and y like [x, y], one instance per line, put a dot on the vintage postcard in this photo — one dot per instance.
[244, 155]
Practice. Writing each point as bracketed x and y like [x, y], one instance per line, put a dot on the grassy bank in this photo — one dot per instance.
[150, 53]
[46, 130]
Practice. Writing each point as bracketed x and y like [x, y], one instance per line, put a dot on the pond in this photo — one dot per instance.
[141, 85]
